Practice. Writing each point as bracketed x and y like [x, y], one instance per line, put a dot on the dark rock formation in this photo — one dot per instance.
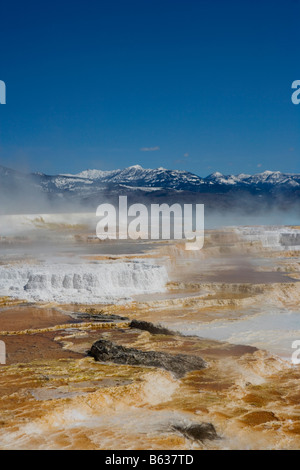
[98, 317]
[197, 432]
[153, 329]
[180, 364]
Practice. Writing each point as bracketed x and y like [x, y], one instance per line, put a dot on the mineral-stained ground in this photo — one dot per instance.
[203, 364]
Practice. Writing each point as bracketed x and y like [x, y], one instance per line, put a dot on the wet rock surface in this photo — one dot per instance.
[179, 365]
[99, 317]
[197, 432]
[151, 328]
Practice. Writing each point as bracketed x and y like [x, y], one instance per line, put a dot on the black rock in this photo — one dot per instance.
[153, 329]
[198, 432]
[99, 317]
[179, 365]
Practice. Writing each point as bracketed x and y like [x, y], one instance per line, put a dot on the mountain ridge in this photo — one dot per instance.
[137, 176]
[21, 192]
[137, 172]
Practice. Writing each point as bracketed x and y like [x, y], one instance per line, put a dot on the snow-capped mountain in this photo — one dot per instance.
[90, 185]
[183, 180]
[275, 178]
[136, 176]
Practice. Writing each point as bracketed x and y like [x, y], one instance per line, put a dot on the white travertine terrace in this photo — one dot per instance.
[83, 283]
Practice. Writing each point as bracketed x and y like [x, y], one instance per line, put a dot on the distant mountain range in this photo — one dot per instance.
[33, 190]
[183, 180]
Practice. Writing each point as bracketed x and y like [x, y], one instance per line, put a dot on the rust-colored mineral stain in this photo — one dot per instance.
[53, 396]
[256, 418]
[26, 317]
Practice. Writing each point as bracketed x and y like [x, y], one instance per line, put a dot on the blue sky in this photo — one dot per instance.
[204, 84]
